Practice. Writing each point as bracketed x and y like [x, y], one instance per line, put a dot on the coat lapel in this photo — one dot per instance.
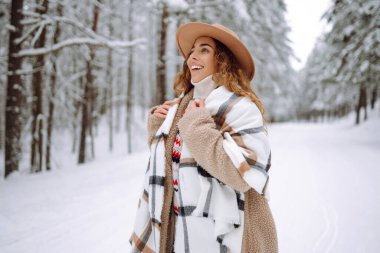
[166, 217]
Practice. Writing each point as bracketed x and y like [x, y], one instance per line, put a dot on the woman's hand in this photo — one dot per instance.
[194, 104]
[162, 110]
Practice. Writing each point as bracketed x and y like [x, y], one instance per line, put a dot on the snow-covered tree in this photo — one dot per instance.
[344, 68]
[355, 39]
[268, 40]
[122, 64]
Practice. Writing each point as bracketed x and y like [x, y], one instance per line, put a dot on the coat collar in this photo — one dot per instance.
[167, 227]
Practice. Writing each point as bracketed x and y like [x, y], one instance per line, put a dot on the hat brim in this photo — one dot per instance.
[188, 33]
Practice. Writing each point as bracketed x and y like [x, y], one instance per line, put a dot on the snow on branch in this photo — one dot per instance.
[11, 28]
[31, 14]
[180, 7]
[113, 44]
[29, 21]
[347, 50]
[76, 24]
[49, 20]
[205, 4]
[37, 35]
[25, 71]
[26, 35]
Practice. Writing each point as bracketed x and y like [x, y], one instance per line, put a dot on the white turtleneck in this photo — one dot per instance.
[204, 87]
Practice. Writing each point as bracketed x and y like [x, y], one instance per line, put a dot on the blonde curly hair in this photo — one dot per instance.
[229, 75]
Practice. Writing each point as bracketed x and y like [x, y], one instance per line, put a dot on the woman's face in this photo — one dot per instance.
[201, 60]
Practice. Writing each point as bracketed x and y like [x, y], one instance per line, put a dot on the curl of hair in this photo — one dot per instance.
[229, 75]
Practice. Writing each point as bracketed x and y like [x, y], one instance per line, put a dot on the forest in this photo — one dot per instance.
[67, 67]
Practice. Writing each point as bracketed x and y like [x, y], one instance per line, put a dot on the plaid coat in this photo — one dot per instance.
[220, 147]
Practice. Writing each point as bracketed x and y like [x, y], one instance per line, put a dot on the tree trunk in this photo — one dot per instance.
[161, 64]
[2, 120]
[36, 158]
[129, 100]
[52, 93]
[364, 105]
[13, 120]
[109, 89]
[179, 64]
[88, 97]
[373, 97]
[118, 104]
[84, 125]
[50, 119]
[360, 104]
[77, 108]
[110, 99]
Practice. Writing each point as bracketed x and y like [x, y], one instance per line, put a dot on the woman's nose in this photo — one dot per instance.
[194, 55]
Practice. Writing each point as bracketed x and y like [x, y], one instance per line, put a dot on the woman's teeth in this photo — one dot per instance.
[196, 67]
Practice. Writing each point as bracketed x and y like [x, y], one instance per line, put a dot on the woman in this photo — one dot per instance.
[205, 189]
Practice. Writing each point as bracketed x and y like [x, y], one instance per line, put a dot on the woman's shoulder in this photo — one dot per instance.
[233, 106]
[231, 99]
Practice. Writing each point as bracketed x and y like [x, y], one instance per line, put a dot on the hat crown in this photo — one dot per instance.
[219, 26]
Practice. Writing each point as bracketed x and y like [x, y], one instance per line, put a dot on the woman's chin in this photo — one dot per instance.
[197, 79]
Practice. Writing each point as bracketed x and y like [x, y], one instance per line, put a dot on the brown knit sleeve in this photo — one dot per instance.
[205, 144]
[154, 123]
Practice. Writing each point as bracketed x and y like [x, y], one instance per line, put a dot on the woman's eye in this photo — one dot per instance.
[204, 50]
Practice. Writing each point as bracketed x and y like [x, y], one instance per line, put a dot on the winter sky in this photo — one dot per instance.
[304, 18]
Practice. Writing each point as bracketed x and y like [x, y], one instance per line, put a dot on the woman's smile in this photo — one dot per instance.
[196, 67]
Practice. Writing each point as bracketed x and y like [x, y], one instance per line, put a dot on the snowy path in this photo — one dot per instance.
[325, 187]
[84, 209]
[324, 196]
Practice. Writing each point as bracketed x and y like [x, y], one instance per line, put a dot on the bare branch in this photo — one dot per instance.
[26, 35]
[113, 44]
[31, 14]
[29, 21]
[25, 71]
[37, 35]
[48, 20]
[205, 4]
[196, 6]
[38, 24]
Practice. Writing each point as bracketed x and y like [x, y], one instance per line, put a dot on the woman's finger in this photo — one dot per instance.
[159, 114]
[167, 107]
[161, 110]
[170, 102]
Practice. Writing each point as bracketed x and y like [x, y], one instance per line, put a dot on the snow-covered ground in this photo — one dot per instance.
[325, 186]
[324, 195]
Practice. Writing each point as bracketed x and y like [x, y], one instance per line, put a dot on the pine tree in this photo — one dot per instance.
[346, 68]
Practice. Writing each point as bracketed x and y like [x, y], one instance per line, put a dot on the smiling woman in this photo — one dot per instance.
[206, 187]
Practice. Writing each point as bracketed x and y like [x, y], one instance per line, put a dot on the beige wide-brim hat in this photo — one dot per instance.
[188, 33]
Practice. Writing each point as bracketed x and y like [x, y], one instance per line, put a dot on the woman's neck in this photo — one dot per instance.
[204, 87]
